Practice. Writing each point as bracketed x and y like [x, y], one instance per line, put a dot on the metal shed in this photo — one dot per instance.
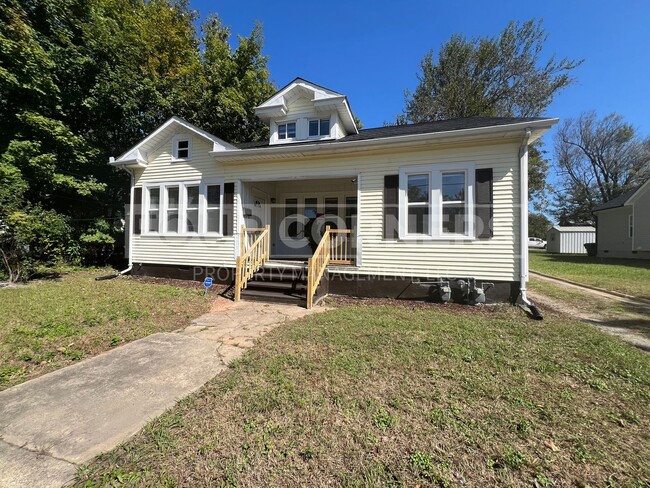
[569, 240]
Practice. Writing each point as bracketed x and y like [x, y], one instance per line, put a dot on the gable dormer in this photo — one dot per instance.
[303, 111]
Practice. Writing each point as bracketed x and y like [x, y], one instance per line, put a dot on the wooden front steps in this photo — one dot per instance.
[278, 282]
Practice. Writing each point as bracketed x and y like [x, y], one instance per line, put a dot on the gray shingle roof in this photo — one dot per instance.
[619, 201]
[408, 129]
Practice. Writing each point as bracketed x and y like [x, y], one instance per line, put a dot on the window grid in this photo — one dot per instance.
[184, 208]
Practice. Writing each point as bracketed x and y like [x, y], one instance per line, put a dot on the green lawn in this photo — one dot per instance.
[52, 323]
[622, 275]
[372, 395]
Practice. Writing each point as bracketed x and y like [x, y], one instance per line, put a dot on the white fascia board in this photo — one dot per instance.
[136, 152]
[637, 194]
[129, 163]
[270, 111]
[539, 127]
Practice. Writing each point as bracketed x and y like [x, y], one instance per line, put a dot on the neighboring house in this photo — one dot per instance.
[434, 202]
[623, 225]
[569, 239]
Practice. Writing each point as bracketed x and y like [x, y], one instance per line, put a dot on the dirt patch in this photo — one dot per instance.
[456, 308]
[195, 285]
[625, 318]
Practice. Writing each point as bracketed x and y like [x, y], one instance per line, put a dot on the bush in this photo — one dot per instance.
[32, 237]
[591, 249]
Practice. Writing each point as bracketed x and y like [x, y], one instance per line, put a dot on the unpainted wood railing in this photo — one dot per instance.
[334, 248]
[340, 246]
[255, 245]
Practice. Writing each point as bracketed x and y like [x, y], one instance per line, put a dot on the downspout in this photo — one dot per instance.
[523, 226]
[131, 220]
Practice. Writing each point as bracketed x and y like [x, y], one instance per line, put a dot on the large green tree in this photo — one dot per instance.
[82, 80]
[501, 76]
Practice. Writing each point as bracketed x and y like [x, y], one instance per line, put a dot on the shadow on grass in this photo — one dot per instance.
[634, 326]
[584, 259]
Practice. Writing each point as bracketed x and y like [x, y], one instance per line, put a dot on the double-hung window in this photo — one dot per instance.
[191, 209]
[319, 128]
[213, 207]
[153, 216]
[172, 202]
[184, 208]
[287, 130]
[436, 202]
[181, 148]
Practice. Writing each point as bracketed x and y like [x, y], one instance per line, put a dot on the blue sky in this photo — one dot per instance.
[370, 50]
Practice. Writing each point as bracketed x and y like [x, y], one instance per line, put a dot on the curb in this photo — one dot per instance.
[595, 288]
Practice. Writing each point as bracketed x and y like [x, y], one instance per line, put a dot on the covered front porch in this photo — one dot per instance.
[298, 225]
[298, 212]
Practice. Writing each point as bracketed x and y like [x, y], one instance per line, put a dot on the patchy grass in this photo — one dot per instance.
[622, 275]
[373, 395]
[52, 323]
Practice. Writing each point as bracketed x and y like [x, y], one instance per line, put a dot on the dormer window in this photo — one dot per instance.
[319, 128]
[287, 131]
[182, 147]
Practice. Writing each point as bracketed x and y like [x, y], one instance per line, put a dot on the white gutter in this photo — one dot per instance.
[523, 226]
[298, 150]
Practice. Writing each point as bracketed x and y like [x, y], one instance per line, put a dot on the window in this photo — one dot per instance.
[290, 214]
[172, 209]
[311, 208]
[630, 226]
[436, 201]
[182, 148]
[319, 127]
[418, 204]
[184, 208]
[453, 203]
[154, 210]
[287, 131]
[213, 208]
[331, 206]
[192, 209]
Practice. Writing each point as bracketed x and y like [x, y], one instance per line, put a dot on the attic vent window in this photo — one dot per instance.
[181, 149]
[287, 131]
[319, 127]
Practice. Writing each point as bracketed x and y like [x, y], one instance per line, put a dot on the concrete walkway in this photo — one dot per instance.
[54, 423]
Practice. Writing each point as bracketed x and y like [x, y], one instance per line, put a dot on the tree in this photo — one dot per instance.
[82, 80]
[502, 76]
[538, 225]
[598, 160]
[233, 83]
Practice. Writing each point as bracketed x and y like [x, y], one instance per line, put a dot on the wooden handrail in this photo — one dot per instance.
[253, 258]
[334, 248]
[317, 265]
[340, 246]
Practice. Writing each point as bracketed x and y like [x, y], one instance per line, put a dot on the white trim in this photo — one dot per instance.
[300, 150]
[135, 157]
[163, 209]
[174, 152]
[435, 172]
[637, 193]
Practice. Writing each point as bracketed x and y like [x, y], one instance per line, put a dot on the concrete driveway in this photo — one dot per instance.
[52, 424]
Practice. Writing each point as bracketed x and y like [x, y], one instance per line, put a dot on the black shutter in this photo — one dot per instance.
[228, 209]
[391, 206]
[137, 211]
[483, 203]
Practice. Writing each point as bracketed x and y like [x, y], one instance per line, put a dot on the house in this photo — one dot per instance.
[569, 239]
[419, 210]
[623, 225]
